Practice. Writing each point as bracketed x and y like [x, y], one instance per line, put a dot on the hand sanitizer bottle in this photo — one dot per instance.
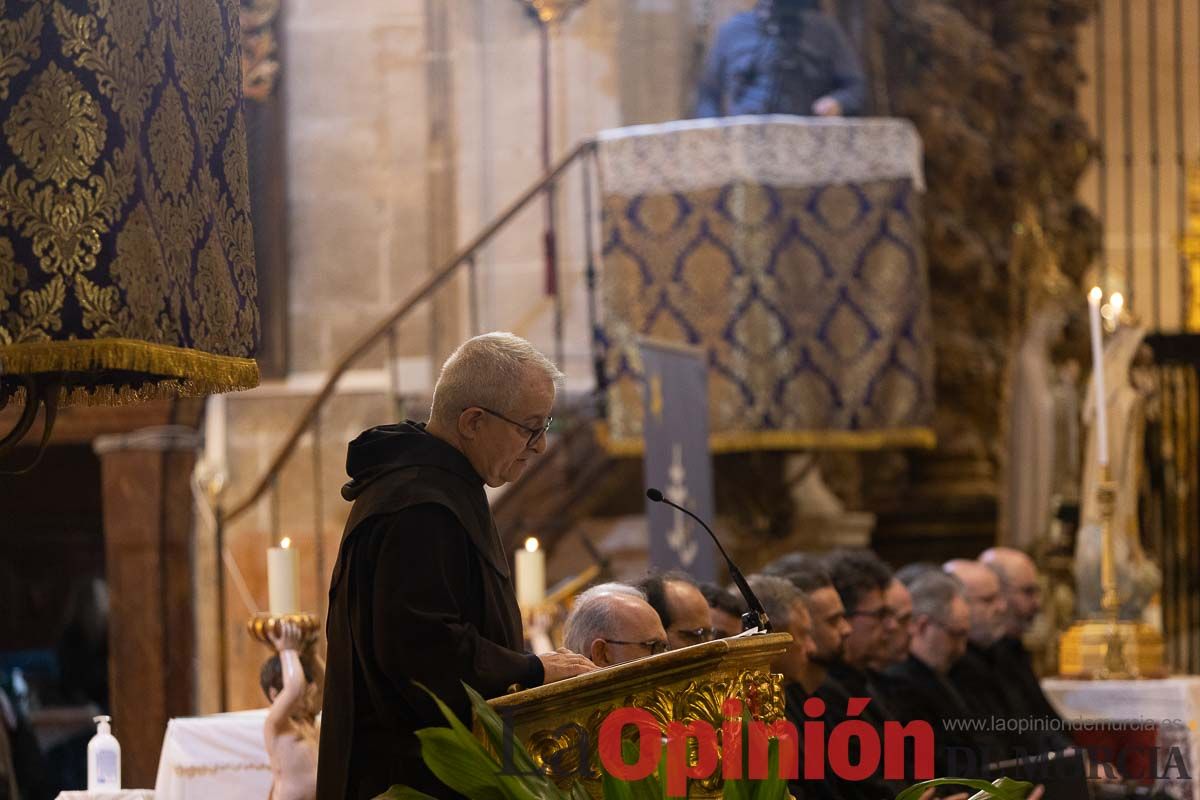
[104, 758]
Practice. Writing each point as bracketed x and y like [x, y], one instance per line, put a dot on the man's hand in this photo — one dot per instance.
[564, 664]
[827, 107]
[287, 636]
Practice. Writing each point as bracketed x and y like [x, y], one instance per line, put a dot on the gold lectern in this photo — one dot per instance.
[558, 722]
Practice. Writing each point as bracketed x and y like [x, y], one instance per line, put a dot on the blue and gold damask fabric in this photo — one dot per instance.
[126, 249]
[789, 250]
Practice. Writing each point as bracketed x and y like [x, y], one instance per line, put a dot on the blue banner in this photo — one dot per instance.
[677, 459]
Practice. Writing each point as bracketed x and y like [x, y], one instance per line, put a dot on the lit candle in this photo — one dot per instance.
[215, 441]
[1116, 301]
[1101, 421]
[283, 578]
[531, 574]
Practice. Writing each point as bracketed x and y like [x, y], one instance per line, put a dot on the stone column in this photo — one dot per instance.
[148, 551]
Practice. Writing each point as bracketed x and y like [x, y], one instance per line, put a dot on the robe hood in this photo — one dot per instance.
[384, 449]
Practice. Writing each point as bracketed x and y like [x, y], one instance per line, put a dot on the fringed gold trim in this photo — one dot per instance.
[787, 440]
[171, 371]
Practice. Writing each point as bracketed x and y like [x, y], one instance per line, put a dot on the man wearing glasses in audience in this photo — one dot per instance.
[941, 623]
[611, 624]
[861, 580]
[681, 607]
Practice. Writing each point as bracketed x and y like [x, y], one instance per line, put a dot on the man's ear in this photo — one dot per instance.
[599, 653]
[468, 423]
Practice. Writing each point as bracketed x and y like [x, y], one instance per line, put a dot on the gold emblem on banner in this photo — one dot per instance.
[656, 400]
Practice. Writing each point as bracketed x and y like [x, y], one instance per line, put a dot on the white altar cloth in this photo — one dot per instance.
[220, 755]
[1171, 704]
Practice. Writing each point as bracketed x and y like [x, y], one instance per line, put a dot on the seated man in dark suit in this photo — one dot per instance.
[1019, 584]
[975, 674]
[861, 580]
[920, 686]
[788, 611]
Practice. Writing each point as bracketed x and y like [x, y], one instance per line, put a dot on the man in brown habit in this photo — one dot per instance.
[421, 589]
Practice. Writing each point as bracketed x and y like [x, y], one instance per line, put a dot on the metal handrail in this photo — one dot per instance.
[388, 323]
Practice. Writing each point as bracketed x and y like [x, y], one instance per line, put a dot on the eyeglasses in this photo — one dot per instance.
[879, 614]
[655, 646]
[534, 433]
[694, 635]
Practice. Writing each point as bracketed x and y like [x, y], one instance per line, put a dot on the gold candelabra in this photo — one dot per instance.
[552, 11]
[1109, 648]
[262, 625]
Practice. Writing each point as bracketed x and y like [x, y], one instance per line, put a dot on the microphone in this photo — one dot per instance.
[756, 617]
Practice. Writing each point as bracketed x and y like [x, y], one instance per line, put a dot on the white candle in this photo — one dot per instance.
[283, 578]
[1101, 421]
[215, 441]
[531, 574]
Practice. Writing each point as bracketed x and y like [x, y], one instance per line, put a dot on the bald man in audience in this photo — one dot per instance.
[611, 624]
[975, 674]
[1023, 595]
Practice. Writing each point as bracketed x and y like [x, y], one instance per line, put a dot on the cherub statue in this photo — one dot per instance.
[290, 681]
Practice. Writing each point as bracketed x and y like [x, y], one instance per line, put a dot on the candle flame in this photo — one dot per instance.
[1096, 294]
[531, 544]
[286, 542]
[1117, 301]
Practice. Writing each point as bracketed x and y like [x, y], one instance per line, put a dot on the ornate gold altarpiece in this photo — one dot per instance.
[789, 249]
[681, 685]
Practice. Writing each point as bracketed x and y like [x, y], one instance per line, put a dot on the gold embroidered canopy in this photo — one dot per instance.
[126, 249]
[788, 251]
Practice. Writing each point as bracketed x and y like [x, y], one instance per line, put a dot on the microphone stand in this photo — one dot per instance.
[756, 617]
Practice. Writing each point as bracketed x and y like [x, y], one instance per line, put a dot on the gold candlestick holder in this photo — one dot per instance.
[1109, 648]
[262, 624]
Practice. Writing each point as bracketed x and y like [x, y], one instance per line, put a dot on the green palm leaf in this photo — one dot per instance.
[403, 793]
[1001, 789]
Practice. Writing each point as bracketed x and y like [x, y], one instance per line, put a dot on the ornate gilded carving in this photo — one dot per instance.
[260, 58]
[1190, 245]
[557, 751]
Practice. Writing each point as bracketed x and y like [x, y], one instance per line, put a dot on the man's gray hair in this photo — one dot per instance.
[932, 592]
[489, 371]
[592, 616]
[777, 595]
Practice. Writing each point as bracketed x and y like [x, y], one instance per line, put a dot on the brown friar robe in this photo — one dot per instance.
[420, 593]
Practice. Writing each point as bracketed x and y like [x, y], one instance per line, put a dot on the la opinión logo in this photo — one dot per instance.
[852, 749]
